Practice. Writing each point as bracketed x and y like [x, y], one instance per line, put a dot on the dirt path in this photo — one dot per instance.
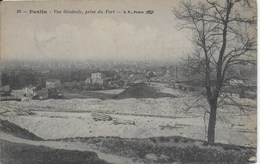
[68, 146]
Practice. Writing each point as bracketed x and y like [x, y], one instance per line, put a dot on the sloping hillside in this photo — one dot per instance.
[11, 128]
[14, 153]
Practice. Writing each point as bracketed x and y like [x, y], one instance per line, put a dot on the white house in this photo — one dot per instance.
[96, 78]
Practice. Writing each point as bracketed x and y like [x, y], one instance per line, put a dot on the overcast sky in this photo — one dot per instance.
[95, 36]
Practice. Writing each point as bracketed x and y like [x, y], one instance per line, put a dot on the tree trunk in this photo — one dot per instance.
[212, 123]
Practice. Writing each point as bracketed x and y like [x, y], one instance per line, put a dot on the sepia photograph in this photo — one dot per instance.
[128, 82]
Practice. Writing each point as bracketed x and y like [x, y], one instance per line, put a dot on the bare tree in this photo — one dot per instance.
[223, 35]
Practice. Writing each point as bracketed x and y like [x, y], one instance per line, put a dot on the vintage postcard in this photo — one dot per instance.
[128, 81]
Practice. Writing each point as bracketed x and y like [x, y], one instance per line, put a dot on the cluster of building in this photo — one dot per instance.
[31, 92]
[103, 81]
[49, 91]
[121, 79]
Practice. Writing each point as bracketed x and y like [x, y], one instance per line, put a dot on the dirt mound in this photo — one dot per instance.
[10, 128]
[141, 90]
[13, 153]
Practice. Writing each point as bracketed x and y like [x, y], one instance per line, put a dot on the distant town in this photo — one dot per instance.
[24, 80]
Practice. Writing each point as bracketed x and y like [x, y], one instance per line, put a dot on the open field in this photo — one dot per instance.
[85, 94]
[116, 150]
[151, 121]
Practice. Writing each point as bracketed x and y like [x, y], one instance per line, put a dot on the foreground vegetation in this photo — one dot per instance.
[145, 150]
[170, 149]
[17, 153]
